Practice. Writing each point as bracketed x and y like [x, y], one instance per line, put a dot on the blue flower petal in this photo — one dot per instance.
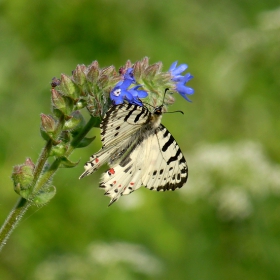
[128, 96]
[188, 77]
[176, 71]
[129, 75]
[138, 93]
[137, 102]
[173, 66]
[183, 90]
[126, 83]
[142, 93]
[180, 69]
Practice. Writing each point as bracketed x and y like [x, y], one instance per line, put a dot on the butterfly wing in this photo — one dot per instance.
[165, 167]
[156, 163]
[118, 130]
[121, 122]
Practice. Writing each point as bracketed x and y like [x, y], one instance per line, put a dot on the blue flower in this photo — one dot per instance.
[176, 71]
[181, 80]
[122, 91]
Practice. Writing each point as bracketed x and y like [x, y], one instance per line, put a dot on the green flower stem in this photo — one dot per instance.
[40, 180]
[43, 158]
[12, 220]
[42, 161]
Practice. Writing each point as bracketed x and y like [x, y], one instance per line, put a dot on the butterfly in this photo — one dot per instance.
[139, 150]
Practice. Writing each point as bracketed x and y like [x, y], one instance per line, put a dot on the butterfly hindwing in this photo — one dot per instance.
[169, 170]
[157, 164]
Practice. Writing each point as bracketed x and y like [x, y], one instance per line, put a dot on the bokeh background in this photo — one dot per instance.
[225, 222]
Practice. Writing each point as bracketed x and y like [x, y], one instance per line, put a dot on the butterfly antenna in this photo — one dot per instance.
[148, 104]
[162, 100]
[164, 95]
[179, 111]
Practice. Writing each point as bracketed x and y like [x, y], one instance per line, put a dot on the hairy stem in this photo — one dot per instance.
[12, 220]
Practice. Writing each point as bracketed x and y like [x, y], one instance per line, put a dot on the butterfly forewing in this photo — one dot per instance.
[121, 122]
[118, 128]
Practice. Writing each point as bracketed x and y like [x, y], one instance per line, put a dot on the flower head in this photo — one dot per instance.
[181, 80]
[98, 88]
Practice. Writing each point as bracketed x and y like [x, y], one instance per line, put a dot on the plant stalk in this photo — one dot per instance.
[40, 179]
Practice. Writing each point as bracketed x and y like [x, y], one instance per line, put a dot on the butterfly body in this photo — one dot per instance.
[140, 152]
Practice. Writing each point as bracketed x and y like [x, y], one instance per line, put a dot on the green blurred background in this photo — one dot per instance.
[225, 223]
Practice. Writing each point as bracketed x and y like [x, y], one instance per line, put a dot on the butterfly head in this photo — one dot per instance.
[158, 110]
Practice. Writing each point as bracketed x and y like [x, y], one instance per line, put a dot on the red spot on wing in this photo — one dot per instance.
[131, 184]
[114, 182]
[96, 160]
[112, 171]
[120, 186]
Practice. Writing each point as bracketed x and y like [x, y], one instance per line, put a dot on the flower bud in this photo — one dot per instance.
[58, 101]
[30, 163]
[22, 177]
[127, 65]
[109, 71]
[69, 88]
[62, 104]
[79, 74]
[59, 150]
[48, 126]
[103, 81]
[93, 72]
[48, 123]
[137, 70]
[151, 71]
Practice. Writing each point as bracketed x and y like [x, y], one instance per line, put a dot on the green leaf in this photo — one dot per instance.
[85, 142]
[66, 163]
[44, 196]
